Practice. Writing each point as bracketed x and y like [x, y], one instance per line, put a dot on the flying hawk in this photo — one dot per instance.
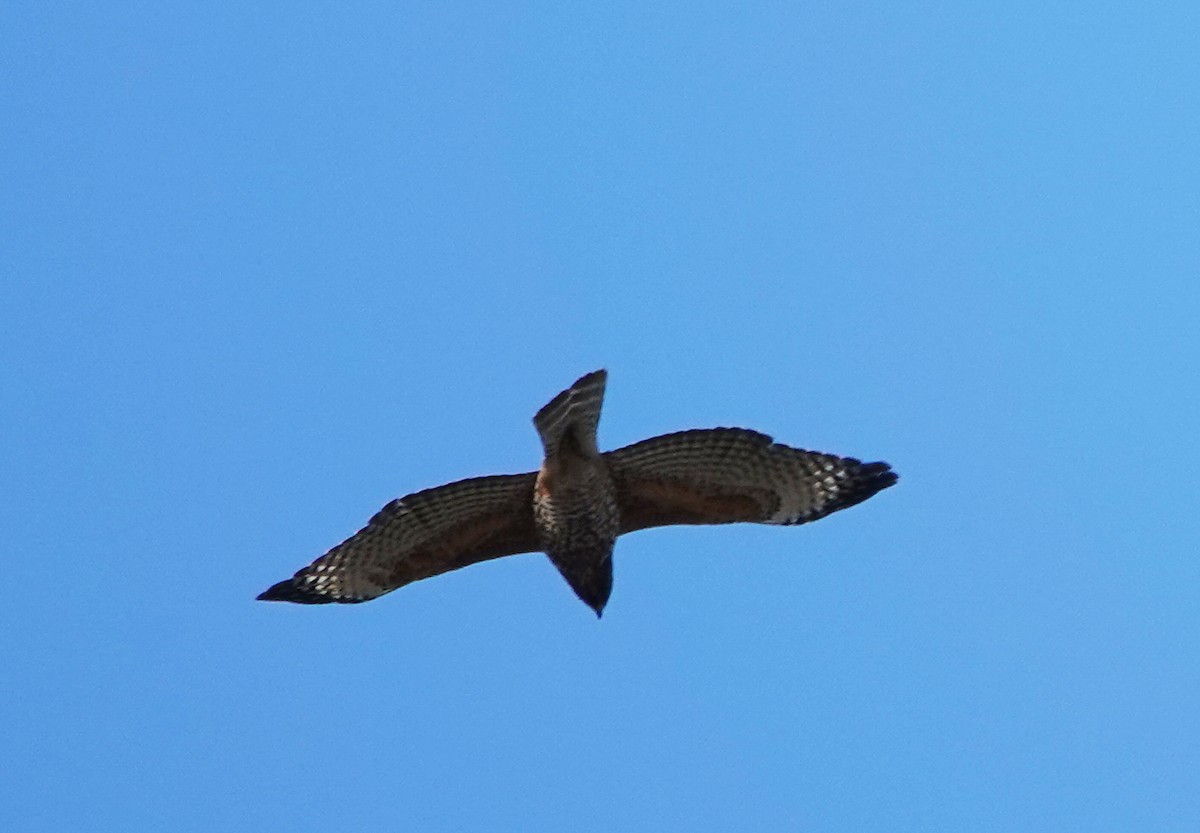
[579, 501]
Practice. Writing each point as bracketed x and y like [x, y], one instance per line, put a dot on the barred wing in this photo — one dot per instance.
[418, 536]
[727, 475]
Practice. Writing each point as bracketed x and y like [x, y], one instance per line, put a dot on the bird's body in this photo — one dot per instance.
[574, 499]
[580, 500]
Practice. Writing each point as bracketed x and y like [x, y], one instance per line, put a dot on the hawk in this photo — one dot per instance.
[579, 501]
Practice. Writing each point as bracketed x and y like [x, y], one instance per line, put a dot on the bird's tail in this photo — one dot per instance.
[575, 411]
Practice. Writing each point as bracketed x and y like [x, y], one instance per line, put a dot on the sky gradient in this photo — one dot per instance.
[266, 267]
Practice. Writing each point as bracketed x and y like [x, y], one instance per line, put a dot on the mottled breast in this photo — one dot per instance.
[575, 510]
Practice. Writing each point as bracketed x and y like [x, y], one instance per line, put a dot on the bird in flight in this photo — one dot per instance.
[579, 501]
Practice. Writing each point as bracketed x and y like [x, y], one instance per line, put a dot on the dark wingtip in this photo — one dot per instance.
[870, 479]
[281, 592]
[880, 473]
[288, 591]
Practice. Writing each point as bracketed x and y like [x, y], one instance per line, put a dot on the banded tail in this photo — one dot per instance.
[576, 411]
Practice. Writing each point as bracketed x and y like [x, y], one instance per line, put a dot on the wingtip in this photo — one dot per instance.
[870, 480]
[881, 473]
[279, 592]
[289, 591]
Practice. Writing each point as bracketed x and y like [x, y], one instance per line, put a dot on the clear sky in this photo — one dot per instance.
[264, 267]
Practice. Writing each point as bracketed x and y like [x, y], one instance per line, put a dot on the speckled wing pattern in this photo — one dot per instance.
[727, 475]
[418, 536]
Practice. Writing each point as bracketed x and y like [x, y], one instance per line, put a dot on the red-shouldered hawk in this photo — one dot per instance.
[576, 505]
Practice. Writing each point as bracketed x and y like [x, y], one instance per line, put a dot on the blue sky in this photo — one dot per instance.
[267, 266]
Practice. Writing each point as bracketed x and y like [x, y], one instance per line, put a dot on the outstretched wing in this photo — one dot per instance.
[419, 536]
[726, 475]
